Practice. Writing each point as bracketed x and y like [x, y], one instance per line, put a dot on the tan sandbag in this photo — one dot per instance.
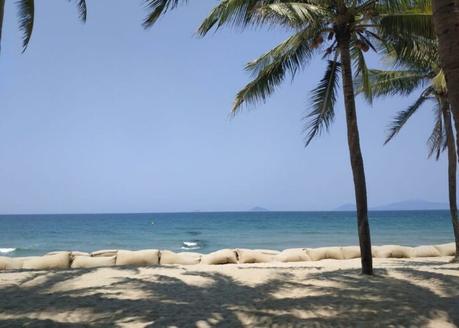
[48, 262]
[394, 251]
[73, 254]
[93, 262]
[223, 256]
[446, 249]
[292, 255]
[350, 252]
[139, 258]
[5, 262]
[322, 253]
[183, 258]
[105, 252]
[12, 263]
[426, 251]
[256, 255]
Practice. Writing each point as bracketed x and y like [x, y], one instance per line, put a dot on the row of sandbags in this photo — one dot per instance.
[104, 258]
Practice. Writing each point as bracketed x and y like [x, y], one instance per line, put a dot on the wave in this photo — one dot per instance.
[7, 250]
[193, 245]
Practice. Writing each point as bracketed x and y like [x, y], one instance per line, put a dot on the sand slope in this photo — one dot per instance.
[328, 293]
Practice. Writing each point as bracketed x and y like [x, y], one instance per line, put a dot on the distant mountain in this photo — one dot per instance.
[259, 209]
[415, 204]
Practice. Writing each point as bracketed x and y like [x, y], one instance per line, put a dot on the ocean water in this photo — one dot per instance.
[24, 235]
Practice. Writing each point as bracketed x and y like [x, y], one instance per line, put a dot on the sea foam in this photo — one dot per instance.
[7, 250]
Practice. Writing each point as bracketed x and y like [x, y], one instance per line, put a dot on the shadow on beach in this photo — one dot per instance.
[305, 297]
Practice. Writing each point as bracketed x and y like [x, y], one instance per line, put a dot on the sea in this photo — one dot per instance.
[27, 235]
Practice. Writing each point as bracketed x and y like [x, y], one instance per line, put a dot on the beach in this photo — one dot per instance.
[417, 292]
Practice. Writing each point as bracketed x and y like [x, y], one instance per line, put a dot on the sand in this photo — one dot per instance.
[328, 293]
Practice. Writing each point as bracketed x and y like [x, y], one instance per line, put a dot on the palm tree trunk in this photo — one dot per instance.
[446, 22]
[452, 168]
[356, 157]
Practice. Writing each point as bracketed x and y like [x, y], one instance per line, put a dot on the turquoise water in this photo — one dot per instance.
[22, 235]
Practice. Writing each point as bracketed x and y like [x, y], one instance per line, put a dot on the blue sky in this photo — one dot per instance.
[108, 117]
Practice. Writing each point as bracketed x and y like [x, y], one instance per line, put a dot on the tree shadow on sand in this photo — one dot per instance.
[398, 297]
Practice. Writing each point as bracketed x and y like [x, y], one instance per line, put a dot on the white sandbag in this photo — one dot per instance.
[138, 258]
[48, 262]
[223, 256]
[183, 258]
[394, 251]
[446, 249]
[93, 262]
[256, 255]
[426, 251]
[105, 252]
[323, 253]
[292, 255]
[350, 252]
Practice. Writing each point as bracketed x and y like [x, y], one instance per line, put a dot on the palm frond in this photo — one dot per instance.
[157, 8]
[403, 116]
[437, 140]
[323, 102]
[384, 83]
[26, 11]
[2, 12]
[82, 9]
[272, 67]
[292, 14]
[362, 73]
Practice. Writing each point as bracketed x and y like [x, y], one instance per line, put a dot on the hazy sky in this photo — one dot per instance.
[108, 117]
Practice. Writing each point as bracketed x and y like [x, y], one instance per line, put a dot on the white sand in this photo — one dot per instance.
[328, 293]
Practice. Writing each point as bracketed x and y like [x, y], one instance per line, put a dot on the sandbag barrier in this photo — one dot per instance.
[148, 257]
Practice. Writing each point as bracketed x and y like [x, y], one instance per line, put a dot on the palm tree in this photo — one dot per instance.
[340, 30]
[418, 67]
[26, 16]
[446, 22]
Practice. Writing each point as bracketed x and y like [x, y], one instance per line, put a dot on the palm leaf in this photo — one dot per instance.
[2, 12]
[271, 68]
[391, 83]
[82, 9]
[437, 141]
[403, 116]
[26, 18]
[158, 8]
[323, 102]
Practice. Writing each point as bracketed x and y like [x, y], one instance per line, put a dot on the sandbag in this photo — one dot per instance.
[223, 256]
[446, 249]
[292, 255]
[4, 262]
[48, 262]
[394, 251]
[426, 251]
[350, 252]
[183, 258]
[105, 252]
[92, 262]
[138, 258]
[12, 263]
[256, 255]
[73, 254]
[322, 253]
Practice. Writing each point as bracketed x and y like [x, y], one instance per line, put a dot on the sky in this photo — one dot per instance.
[109, 117]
